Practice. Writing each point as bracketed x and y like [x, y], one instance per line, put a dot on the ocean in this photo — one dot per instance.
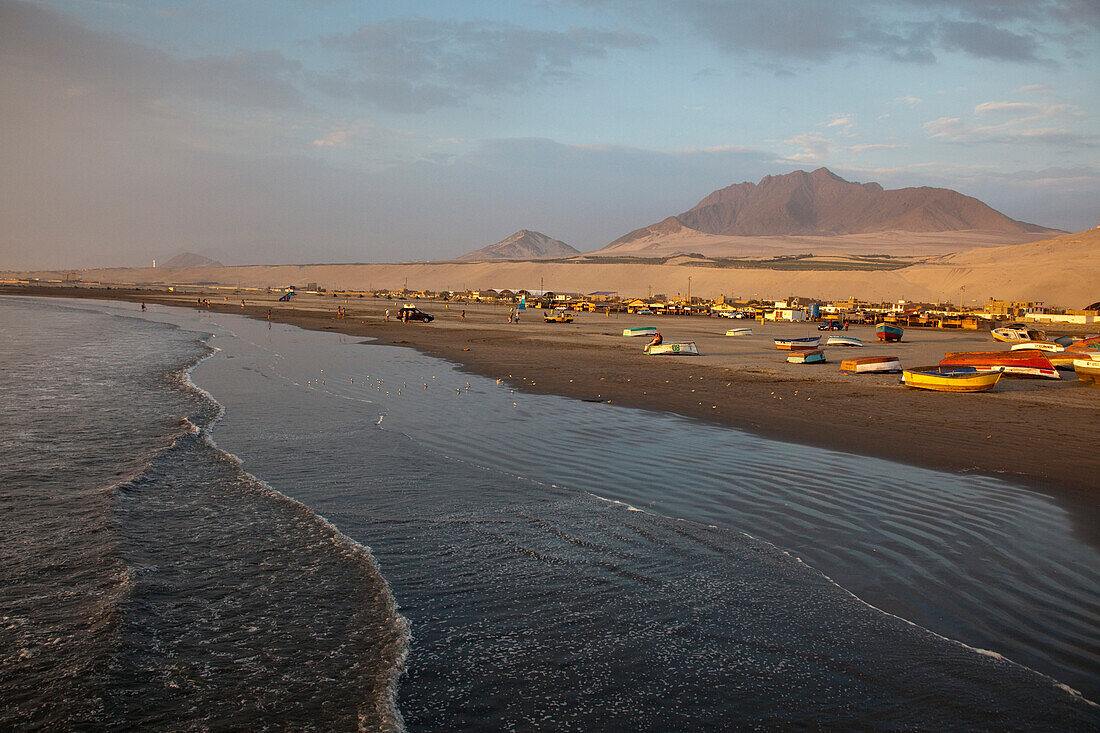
[217, 522]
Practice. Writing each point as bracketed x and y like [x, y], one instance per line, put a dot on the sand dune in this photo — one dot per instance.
[1060, 271]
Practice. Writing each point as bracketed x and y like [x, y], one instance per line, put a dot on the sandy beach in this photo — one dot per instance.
[1036, 432]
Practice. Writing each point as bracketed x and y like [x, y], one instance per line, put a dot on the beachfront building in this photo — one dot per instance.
[1070, 316]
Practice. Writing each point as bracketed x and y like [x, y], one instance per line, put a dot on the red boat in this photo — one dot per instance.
[1024, 363]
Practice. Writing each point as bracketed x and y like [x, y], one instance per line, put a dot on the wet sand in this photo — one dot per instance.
[1036, 432]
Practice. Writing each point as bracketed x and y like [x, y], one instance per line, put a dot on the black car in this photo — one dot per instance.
[412, 313]
[831, 326]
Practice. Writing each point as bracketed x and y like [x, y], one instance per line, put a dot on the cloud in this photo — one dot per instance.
[988, 42]
[845, 121]
[814, 148]
[419, 64]
[777, 35]
[1020, 122]
[40, 42]
[1038, 89]
[908, 101]
[1015, 108]
[871, 146]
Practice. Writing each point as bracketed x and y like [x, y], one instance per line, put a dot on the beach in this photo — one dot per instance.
[1038, 432]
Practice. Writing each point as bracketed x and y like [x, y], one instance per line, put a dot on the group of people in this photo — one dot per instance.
[513, 315]
[342, 312]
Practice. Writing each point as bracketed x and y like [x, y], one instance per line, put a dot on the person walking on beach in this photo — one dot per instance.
[143, 306]
[387, 314]
[463, 316]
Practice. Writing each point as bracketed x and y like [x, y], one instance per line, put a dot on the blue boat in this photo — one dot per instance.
[888, 332]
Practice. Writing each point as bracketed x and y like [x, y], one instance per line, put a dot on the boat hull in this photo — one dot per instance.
[685, 348]
[950, 379]
[871, 365]
[811, 342]
[844, 341]
[649, 331]
[813, 356]
[739, 332]
[1088, 370]
[888, 332]
[1023, 363]
[1045, 346]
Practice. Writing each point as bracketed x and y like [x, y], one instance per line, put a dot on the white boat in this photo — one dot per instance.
[640, 331]
[1047, 346]
[739, 332]
[871, 365]
[806, 356]
[1014, 332]
[684, 348]
[843, 341]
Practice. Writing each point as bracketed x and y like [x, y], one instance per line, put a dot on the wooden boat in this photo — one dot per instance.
[1017, 332]
[1088, 370]
[650, 331]
[1024, 363]
[888, 332]
[950, 379]
[844, 341]
[1090, 344]
[871, 365]
[739, 332]
[1065, 359]
[806, 356]
[685, 348]
[1047, 346]
[809, 342]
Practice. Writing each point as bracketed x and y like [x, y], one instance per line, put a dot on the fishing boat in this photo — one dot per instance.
[844, 341]
[1065, 359]
[640, 331]
[1017, 332]
[684, 348]
[888, 332]
[739, 332]
[1047, 346]
[1088, 370]
[1024, 363]
[950, 379]
[871, 365]
[809, 342]
[1092, 343]
[806, 356]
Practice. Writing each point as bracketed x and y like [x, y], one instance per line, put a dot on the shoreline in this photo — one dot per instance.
[1038, 435]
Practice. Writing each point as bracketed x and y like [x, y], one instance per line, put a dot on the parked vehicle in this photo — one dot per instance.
[412, 313]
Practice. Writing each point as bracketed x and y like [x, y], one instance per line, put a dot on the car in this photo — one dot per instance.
[831, 326]
[412, 313]
[558, 315]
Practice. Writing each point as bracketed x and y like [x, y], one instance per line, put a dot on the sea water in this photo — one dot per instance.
[546, 573]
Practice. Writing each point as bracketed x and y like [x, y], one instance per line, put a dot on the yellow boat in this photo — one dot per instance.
[1088, 370]
[950, 378]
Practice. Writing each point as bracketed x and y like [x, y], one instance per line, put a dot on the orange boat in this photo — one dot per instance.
[1089, 344]
[1029, 363]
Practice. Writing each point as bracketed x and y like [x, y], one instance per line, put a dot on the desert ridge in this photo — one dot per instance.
[1053, 271]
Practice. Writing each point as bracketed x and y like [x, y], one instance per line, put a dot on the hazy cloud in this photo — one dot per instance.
[416, 65]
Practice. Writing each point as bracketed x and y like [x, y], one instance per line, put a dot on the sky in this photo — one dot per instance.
[304, 131]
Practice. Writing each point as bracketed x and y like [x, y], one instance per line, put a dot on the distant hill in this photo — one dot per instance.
[190, 259]
[523, 245]
[821, 203]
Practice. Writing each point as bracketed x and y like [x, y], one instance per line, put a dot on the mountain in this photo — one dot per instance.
[821, 203]
[523, 245]
[190, 259]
